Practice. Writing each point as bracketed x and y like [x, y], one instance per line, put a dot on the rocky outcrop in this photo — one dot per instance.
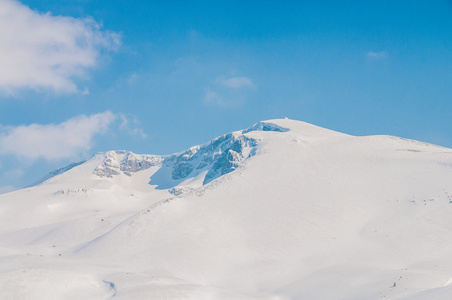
[221, 156]
[125, 162]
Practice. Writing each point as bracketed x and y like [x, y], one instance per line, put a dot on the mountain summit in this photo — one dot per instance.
[281, 210]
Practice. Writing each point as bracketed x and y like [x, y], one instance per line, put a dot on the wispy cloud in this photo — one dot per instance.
[376, 55]
[230, 91]
[132, 79]
[42, 51]
[54, 141]
[236, 82]
[211, 97]
[130, 125]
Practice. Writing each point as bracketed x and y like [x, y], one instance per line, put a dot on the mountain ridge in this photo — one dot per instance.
[138, 162]
[298, 212]
[220, 156]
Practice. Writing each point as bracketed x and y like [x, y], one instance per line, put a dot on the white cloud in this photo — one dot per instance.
[54, 141]
[42, 51]
[376, 55]
[236, 82]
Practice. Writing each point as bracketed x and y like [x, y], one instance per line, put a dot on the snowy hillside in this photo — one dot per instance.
[281, 210]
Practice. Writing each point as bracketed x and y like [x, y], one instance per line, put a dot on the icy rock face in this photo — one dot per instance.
[221, 156]
[216, 158]
[125, 162]
[182, 170]
[265, 126]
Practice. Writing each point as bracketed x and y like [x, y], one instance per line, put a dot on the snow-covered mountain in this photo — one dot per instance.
[281, 210]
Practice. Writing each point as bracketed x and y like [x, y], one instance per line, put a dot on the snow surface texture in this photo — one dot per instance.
[282, 210]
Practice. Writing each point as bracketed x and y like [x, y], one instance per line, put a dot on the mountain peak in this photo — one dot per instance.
[199, 164]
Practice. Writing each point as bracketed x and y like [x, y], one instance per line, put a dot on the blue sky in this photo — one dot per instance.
[156, 77]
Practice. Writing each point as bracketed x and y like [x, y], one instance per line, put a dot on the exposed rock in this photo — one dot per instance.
[125, 162]
[182, 170]
[221, 156]
[216, 158]
[265, 126]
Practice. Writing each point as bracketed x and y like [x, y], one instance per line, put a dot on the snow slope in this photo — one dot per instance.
[281, 210]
